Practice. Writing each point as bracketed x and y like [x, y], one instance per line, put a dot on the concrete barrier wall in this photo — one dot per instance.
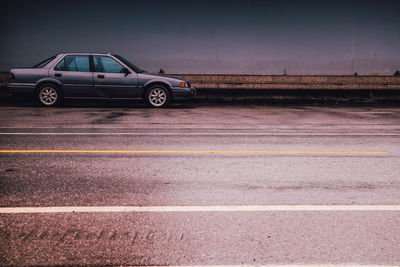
[219, 81]
[318, 82]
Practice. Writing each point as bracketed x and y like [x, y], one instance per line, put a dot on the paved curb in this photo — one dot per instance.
[272, 97]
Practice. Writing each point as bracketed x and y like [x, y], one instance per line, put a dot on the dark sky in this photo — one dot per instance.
[246, 36]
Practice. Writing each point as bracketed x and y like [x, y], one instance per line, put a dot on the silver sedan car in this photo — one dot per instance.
[95, 76]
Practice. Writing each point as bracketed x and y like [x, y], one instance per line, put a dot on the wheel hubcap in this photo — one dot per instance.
[157, 97]
[48, 96]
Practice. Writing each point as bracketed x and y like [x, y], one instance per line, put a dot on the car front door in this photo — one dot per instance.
[73, 71]
[113, 80]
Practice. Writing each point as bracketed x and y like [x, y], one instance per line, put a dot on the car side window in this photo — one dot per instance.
[74, 63]
[60, 66]
[107, 64]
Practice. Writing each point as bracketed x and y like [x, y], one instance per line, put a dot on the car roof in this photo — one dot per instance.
[85, 53]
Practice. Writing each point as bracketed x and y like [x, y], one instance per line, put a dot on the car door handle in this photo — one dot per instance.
[58, 75]
[100, 76]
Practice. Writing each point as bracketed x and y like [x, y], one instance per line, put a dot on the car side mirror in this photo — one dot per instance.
[126, 71]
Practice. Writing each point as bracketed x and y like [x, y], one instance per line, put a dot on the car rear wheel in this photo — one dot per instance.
[48, 95]
[158, 96]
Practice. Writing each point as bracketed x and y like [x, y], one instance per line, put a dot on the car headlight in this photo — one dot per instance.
[183, 84]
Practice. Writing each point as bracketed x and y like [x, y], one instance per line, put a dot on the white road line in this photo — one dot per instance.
[254, 152]
[251, 208]
[206, 134]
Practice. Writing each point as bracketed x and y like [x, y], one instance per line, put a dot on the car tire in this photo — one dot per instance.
[48, 95]
[158, 96]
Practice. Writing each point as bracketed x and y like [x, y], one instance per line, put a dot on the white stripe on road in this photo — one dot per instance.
[67, 209]
[206, 134]
[192, 152]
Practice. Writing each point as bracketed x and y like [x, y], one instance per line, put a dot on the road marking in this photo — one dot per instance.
[204, 134]
[191, 151]
[251, 208]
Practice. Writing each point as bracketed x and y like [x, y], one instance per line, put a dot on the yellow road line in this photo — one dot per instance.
[193, 151]
[241, 208]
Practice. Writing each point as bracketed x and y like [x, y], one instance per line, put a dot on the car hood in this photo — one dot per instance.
[161, 77]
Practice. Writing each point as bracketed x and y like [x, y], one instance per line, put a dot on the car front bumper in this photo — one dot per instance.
[183, 93]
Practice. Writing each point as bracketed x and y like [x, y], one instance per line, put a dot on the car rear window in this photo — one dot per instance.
[44, 63]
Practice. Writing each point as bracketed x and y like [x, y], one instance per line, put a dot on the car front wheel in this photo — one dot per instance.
[158, 96]
[48, 95]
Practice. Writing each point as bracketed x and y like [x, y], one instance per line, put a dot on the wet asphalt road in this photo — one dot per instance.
[200, 179]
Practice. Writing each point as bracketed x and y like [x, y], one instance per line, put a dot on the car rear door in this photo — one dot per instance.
[112, 79]
[73, 71]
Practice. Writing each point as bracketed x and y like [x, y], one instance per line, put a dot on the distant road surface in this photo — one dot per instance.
[209, 185]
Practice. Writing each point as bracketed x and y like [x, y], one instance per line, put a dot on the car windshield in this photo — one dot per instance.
[44, 63]
[129, 64]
